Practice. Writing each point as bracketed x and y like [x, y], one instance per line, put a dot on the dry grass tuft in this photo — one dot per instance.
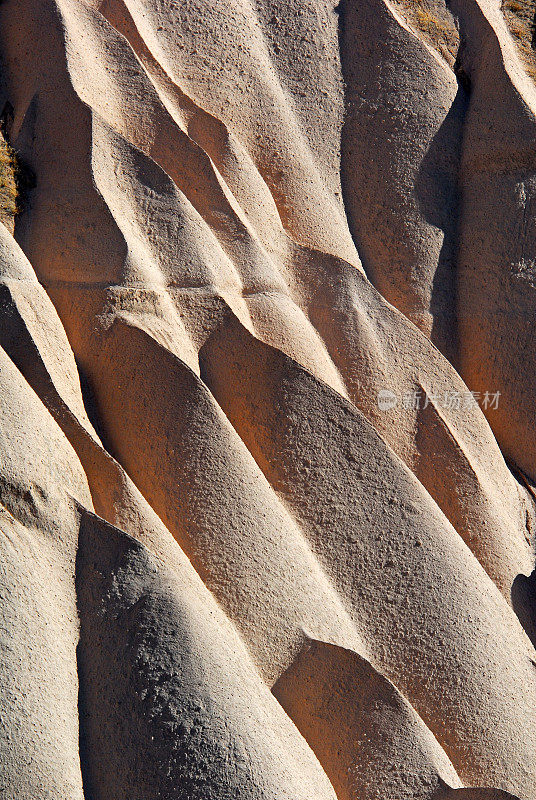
[520, 19]
[9, 190]
[431, 19]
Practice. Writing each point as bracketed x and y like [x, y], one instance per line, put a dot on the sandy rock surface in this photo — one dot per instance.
[267, 449]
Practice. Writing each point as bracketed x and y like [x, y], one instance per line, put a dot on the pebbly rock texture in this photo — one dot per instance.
[267, 473]
[166, 679]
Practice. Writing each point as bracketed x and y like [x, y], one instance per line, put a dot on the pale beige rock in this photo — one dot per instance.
[496, 274]
[194, 470]
[368, 737]
[448, 444]
[32, 336]
[493, 515]
[39, 477]
[403, 125]
[170, 701]
[136, 265]
[392, 554]
[192, 348]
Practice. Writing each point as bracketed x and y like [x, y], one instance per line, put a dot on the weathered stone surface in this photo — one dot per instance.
[267, 402]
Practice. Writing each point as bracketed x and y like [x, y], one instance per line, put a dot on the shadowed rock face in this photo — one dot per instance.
[267, 422]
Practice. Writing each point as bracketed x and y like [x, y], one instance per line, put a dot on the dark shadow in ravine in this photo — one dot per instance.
[523, 590]
[438, 196]
[436, 185]
[523, 595]
[343, 10]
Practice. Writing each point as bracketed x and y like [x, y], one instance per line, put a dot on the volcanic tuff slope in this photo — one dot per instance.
[267, 369]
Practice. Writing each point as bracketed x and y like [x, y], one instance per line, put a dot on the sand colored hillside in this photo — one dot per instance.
[268, 461]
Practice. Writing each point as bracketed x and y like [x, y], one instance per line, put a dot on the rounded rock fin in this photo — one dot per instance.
[170, 701]
[402, 129]
[212, 496]
[376, 350]
[40, 477]
[496, 278]
[380, 538]
[367, 737]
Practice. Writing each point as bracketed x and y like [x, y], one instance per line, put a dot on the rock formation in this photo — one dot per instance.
[267, 343]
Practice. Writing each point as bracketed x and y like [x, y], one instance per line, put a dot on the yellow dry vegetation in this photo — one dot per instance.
[520, 18]
[431, 19]
[9, 192]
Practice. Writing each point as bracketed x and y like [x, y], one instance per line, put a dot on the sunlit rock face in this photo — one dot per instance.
[267, 369]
